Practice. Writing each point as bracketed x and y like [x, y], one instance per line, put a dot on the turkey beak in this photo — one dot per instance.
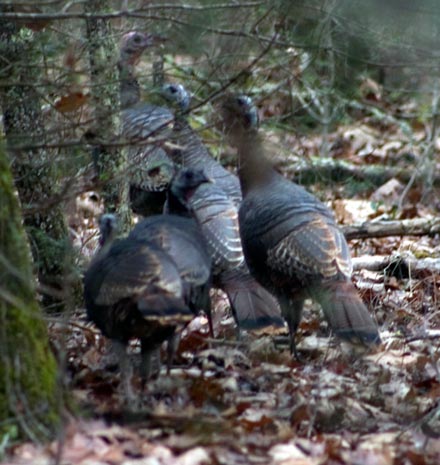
[157, 39]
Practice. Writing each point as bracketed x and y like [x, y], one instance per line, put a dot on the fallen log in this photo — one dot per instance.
[412, 227]
[326, 170]
[400, 265]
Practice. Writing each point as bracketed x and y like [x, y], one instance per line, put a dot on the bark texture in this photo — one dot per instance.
[34, 169]
[411, 227]
[29, 395]
[110, 159]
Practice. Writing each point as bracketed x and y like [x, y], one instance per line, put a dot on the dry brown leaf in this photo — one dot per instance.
[71, 102]
[389, 193]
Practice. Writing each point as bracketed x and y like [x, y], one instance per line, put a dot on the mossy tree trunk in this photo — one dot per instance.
[110, 159]
[34, 166]
[29, 392]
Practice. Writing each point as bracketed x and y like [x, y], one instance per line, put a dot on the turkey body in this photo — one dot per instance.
[150, 169]
[291, 242]
[183, 241]
[140, 121]
[133, 289]
[144, 128]
[292, 235]
[217, 217]
[215, 207]
[218, 220]
[149, 181]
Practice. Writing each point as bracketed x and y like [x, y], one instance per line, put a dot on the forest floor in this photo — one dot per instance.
[229, 402]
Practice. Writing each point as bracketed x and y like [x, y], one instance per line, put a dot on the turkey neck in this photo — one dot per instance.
[129, 89]
[105, 244]
[254, 169]
[189, 140]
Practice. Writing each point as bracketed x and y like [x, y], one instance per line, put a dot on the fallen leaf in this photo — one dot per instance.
[71, 102]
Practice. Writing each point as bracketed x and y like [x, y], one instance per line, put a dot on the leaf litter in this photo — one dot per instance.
[246, 401]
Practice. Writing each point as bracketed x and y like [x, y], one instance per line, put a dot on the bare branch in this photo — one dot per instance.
[62, 15]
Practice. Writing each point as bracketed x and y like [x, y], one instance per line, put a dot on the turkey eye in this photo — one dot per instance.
[136, 39]
[241, 101]
[173, 89]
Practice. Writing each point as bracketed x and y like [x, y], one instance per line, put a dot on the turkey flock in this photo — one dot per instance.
[264, 241]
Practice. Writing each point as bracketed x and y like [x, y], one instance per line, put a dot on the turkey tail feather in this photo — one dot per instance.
[163, 308]
[253, 306]
[346, 313]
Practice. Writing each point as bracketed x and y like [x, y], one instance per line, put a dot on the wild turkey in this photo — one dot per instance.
[192, 152]
[133, 45]
[251, 304]
[216, 211]
[182, 239]
[133, 289]
[108, 229]
[148, 197]
[143, 123]
[290, 239]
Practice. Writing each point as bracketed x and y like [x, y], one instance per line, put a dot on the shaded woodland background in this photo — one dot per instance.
[348, 93]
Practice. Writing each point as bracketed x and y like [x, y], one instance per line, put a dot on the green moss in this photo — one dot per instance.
[29, 397]
[28, 373]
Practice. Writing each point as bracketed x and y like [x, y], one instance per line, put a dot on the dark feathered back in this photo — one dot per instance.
[120, 286]
[182, 240]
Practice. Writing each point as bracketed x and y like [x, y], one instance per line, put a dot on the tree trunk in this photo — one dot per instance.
[35, 170]
[29, 394]
[110, 159]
